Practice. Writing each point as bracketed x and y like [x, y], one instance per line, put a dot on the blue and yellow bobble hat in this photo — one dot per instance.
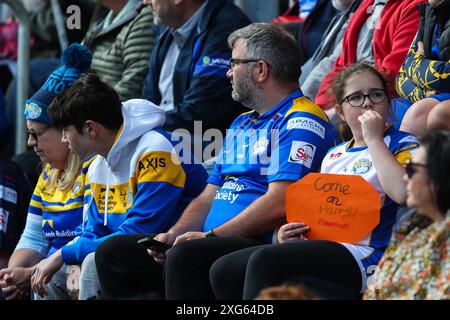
[76, 59]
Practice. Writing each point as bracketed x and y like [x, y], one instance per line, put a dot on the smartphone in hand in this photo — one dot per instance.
[155, 245]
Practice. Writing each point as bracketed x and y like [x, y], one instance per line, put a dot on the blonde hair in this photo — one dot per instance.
[64, 180]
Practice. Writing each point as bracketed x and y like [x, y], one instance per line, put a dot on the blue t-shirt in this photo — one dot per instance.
[285, 143]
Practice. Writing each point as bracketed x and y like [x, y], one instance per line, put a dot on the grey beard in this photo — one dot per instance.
[250, 101]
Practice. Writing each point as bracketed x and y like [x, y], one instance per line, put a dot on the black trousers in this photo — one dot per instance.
[127, 271]
[244, 273]
[188, 263]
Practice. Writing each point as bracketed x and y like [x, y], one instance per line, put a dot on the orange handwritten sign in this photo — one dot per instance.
[341, 208]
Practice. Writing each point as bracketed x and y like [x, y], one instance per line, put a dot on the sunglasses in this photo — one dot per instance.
[35, 135]
[410, 168]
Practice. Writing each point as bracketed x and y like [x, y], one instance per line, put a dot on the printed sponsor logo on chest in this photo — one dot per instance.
[334, 156]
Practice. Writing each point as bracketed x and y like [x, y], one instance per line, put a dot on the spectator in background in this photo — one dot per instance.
[313, 27]
[380, 32]
[44, 35]
[137, 183]
[416, 263]
[376, 152]
[282, 139]
[330, 47]
[43, 28]
[188, 66]
[308, 25]
[121, 41]
[424, 79]
[15, 193]
[306, 7]
[56, 207]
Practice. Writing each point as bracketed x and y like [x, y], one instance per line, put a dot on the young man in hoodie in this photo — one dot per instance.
[136, 185]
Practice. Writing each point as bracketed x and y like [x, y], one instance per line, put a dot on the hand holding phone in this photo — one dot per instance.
[155, 245]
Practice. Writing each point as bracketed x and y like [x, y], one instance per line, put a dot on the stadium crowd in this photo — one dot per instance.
[187, 123]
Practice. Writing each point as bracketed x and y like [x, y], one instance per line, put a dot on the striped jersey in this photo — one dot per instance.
[53, 215]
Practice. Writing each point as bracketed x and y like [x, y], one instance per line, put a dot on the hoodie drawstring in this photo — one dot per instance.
[105, 218]
[86, 209]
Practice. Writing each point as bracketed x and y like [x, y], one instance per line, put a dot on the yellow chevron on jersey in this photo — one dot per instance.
[47, 221]
[303, 104]
[159, 166]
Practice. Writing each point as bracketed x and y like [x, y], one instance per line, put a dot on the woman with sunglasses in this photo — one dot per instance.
[56, 207]
[416, 264]
[376, 152]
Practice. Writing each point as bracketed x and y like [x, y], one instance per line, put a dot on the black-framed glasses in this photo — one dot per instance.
[410, 168]
[356, 100]
[35, 135]
[235, 62]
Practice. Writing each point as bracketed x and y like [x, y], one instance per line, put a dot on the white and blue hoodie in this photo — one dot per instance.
[141, 187]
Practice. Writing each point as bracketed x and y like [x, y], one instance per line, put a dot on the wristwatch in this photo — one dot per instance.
[210, 234]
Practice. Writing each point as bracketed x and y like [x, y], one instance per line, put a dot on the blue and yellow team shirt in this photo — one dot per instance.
[59, 212]
[345, 159]
[285, 143]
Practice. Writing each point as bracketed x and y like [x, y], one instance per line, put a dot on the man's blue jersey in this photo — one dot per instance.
[285, 143]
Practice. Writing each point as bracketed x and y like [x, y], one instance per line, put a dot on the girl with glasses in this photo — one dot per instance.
[376, 152]
[416, 264]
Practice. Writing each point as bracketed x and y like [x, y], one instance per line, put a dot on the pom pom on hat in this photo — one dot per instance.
[77, 56]
[76, 59]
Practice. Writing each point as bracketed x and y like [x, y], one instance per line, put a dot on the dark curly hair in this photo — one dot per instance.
[88, 98]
